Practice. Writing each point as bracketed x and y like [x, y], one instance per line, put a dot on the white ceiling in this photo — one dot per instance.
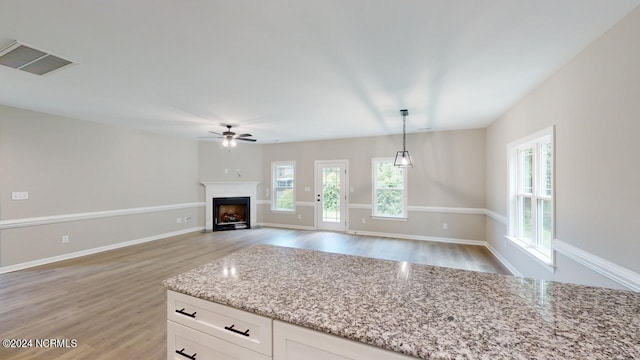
[295, 70]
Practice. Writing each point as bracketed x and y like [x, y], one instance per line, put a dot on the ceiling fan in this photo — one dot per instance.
[230, 138]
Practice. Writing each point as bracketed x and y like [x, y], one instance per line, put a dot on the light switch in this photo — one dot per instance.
[20, 195]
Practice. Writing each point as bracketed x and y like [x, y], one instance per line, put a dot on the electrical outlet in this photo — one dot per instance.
[20, 195]
[364, 221]
[445, 226]
[178, 220]
[299, 216]
[65, 239]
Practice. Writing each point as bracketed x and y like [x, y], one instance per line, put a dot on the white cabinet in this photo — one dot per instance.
[291, 342]
[184, 343]
[204, 330]
[203, 327]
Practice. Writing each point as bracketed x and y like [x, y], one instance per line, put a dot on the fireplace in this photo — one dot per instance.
[230, 189]
[231, 213]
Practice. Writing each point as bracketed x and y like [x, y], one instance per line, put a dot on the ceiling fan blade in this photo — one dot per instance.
[213, 132]
[209, 137]
[243, 135]
[243, 139]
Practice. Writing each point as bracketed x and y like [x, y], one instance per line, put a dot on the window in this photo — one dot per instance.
[283, 189]
[531, 208]
[389, 184]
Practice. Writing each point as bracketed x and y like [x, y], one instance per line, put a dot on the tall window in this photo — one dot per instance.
[283, 188]
[389, 184]
[531, 223]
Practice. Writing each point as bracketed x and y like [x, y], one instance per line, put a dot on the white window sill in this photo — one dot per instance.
[545, 261]
[396, 218]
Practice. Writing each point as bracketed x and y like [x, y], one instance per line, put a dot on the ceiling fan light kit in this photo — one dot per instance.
[403, 159]
[229, 142]
[230, 138]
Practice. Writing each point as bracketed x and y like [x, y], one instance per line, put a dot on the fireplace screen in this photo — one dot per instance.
[231, 213]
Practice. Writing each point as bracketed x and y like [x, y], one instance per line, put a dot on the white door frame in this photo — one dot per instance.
[317, 180]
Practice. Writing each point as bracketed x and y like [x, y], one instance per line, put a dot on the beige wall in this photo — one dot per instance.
[76, 167]
[448, 172]
[213, 160]
[243, 163]
[593, 102]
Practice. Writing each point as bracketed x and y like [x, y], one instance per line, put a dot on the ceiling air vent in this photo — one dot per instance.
[25, 58]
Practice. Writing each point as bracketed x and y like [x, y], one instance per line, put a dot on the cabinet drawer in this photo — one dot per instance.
[236, 326]
[184, 343]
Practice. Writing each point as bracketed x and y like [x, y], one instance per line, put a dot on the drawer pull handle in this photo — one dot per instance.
[230, 328]
[181, 311]
[181, 352]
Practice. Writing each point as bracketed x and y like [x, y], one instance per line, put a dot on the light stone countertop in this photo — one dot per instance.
[423, 311]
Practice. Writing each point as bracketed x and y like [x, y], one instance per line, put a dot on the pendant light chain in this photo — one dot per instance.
[404, 132]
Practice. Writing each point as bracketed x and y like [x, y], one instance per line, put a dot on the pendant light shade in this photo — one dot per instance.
[403, 159]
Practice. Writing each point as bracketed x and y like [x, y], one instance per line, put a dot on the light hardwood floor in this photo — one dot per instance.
[114, 305]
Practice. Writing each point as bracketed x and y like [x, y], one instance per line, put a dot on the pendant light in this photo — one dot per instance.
[403, 159]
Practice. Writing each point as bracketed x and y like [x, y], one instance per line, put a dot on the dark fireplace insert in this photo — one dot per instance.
[231, 213]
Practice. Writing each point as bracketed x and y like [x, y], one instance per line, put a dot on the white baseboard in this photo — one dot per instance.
[512, 269]
[287, 226]
[29, 264]
[615, 272]
[418, 237]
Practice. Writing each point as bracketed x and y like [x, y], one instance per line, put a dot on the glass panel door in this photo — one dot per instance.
[331, 203]
[330, 195]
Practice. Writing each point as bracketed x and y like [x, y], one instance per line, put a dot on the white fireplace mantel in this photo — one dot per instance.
[230, 189]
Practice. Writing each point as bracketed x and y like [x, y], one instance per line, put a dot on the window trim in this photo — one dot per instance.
[544, 135]
[374, 213]
[274, 166]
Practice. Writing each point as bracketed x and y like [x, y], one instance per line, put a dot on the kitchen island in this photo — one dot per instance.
[417, 310]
